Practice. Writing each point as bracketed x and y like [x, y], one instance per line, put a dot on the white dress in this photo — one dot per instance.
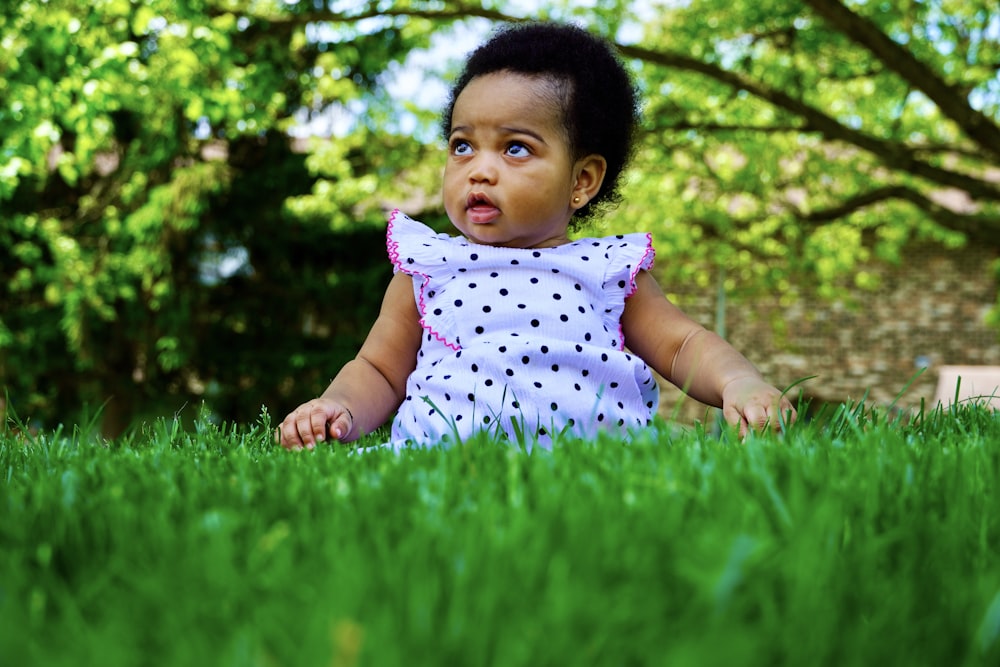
[520, 342]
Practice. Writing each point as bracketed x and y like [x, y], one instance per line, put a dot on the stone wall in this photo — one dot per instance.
[928, 313]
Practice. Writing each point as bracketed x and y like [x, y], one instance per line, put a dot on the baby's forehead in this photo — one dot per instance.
[542, 96]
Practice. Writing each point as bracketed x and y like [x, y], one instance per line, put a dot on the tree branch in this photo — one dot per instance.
[896, 57]
[981, 228]
[721, 129]
[892, 154]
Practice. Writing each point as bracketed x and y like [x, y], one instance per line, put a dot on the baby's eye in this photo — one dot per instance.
[460, 147]
[517, 149]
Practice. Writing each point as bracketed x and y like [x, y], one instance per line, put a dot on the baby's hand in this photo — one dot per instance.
[312, 422]
[752, 404]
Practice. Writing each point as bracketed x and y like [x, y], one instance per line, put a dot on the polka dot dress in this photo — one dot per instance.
[520, 341]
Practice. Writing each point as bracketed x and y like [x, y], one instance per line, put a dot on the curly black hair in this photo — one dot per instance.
[600, 105]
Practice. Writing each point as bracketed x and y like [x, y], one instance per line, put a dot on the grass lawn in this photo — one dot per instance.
[856, 541]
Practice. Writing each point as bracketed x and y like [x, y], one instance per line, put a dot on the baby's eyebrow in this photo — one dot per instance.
[521, 130]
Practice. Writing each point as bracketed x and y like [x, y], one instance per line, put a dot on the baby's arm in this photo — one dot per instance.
[699, 361]
[372, 385]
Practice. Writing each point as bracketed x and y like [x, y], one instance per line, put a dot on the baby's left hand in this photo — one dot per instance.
[752, 404]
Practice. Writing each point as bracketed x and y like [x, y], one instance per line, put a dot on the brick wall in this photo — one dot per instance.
[929, 312]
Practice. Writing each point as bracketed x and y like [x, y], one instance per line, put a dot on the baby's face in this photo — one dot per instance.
[510, 176]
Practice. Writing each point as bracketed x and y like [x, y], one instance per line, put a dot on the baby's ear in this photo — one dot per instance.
[590, 172]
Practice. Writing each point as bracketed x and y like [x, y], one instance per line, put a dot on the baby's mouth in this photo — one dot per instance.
[481, 209]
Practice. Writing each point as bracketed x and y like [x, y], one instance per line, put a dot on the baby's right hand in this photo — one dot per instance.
[312, 422]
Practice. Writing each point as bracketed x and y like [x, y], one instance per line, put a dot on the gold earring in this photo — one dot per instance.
[576, 200]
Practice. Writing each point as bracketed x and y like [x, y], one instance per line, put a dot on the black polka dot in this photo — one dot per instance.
[473, 257]
[479, 330]
[504, 292]
[555, 367]
[554, 406]
[535, 323]
[486, 309]
[458, 303]
[510, 372]
[489, 382]
[525, 359]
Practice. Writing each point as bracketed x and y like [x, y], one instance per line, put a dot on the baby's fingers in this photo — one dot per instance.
[311, 426]
[736, 419]
[341, 426]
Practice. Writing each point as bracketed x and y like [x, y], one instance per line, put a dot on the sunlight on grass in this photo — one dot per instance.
[856, 538]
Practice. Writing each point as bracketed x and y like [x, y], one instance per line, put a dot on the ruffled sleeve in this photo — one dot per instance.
[626, 256]
[417, 250]
[413, 247]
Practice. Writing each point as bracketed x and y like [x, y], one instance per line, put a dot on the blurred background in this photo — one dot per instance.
[193, 193]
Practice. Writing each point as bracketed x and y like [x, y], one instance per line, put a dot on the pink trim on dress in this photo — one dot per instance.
[632, 287]
[392, 247]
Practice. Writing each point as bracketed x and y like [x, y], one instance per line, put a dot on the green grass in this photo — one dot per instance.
[858, 541]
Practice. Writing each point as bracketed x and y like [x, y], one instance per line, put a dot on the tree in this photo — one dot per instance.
[807, 134]
[162, 240]
[162, 243]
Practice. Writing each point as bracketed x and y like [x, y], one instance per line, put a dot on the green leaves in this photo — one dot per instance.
[143, 141]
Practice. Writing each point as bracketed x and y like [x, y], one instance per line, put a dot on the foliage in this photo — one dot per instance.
[155, 247]
[862, 540]
[166, 237]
